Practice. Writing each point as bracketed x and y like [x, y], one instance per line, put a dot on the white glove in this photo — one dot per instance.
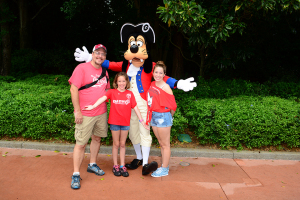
[186, 85]
[84, 55]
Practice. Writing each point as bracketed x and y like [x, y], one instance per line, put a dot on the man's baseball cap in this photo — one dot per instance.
[99, 46]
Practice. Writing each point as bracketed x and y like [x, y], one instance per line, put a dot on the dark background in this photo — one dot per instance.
[268, 49]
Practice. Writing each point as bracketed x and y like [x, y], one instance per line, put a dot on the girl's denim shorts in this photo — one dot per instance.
[118, 127]
[161, 119]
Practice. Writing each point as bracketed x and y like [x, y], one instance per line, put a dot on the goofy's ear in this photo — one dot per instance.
[148, 64]
[124, 65]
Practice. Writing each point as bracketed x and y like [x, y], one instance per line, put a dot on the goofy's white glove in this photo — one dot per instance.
[84, 55]
[186, 85]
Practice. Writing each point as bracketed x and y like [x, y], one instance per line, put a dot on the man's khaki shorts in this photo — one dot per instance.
[96, 125]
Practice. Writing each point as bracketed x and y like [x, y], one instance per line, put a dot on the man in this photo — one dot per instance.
[89, 123]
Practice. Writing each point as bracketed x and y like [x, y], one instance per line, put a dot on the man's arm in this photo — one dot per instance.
[75, 100]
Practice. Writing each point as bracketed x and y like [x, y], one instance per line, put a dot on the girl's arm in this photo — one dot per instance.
[137, 111]
[98, 102]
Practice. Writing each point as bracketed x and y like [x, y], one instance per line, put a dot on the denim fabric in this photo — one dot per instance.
[118, 127]
[161, 119]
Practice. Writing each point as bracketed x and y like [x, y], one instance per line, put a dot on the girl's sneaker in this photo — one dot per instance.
[116, 170]
[124, 172]
[162, 171]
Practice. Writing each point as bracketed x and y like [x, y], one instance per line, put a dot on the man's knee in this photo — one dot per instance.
[96, 138]
[80, 147]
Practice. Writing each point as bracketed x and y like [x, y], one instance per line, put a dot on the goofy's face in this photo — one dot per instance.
[137, 51]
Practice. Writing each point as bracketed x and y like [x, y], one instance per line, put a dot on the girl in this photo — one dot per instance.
[161, 108]
[122, 101]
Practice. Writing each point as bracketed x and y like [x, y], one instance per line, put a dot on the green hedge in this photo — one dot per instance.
[29, 62]
[38, 108]
[245, 120]
[228, 113]
[220, 89]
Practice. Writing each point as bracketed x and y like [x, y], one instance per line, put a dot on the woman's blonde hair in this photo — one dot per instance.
[115, 84]
[162, 65]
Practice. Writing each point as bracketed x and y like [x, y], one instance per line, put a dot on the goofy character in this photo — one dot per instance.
[138, 65]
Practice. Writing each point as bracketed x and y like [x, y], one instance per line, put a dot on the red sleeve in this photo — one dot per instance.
[133, 101]
[168, 101]
[166, 78]
[77, 77]
[115, 66]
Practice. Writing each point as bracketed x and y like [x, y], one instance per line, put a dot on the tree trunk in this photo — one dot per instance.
[6, 42]
[177, 69]
[137, 4]
[202, 56]
[24, 24]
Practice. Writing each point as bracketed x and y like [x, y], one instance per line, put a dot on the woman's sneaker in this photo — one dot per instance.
[116, 170]
[156, 171]
[162, 171]
[124, 172]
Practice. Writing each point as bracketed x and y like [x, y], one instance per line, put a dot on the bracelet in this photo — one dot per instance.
[141, 121]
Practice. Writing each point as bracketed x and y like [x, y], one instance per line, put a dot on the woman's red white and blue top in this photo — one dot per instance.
[159, 101]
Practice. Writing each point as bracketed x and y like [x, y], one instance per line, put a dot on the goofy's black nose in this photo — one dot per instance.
[134, 48]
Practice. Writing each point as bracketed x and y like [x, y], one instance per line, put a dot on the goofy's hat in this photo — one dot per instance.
[143, 29]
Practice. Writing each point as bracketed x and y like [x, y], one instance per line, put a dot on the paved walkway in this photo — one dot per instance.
[46, 174]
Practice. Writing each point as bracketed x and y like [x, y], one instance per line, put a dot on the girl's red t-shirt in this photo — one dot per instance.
[121, 104]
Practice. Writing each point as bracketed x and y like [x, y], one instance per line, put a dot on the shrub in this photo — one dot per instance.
[25, 63]
[38, 107]
[35, 110]
[28, 62]
[220, 89]
[229, 113]
[245, 120]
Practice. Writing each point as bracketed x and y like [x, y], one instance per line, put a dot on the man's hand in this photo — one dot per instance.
[84, 55]
[186, 85]
[78, 117]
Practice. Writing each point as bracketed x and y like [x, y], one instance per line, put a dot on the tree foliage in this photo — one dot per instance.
[208, 23]
[6, 17]
[244, 39]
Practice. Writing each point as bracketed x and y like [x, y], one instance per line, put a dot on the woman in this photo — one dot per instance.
[161, 108]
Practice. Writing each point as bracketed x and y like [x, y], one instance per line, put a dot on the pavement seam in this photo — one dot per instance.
[223, 191]
[241, 168]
